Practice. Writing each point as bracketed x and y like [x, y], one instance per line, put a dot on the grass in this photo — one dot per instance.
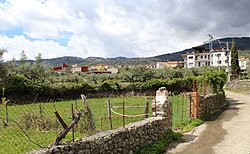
[39, 122]
[160, 145]
[189, 125]
[181, 110]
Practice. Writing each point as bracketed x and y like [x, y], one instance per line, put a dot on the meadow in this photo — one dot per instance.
[35, 125]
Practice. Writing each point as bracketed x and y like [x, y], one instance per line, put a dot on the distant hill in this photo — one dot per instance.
[243, 43]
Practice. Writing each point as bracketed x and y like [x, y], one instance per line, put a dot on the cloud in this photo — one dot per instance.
[18, 43]
[117, 27]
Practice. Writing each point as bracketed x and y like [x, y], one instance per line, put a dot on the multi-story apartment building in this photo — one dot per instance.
[201, 56]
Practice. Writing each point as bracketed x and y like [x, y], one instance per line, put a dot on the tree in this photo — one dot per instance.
[23, 57]
[2, 68]
[235, 68]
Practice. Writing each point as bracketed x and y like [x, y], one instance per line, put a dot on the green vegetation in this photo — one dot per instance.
[39, 122]
[189, 125]
[235, 68]
[181, 110]
[160, 145]
[2, 68]
[29, 80]
[26, 82]
[245, 53]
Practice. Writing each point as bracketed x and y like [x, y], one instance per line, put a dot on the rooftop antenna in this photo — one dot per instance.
[210, 41]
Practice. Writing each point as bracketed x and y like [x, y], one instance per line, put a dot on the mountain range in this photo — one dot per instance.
[243, 43]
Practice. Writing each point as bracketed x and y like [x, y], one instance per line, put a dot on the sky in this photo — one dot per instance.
[113, 28]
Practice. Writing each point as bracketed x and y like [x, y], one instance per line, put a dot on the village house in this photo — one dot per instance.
[61, 69]
[99, 69]
[243, 62]
[79, 69]
[171, 64]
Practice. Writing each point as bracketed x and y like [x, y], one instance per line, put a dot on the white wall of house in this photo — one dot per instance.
[190, 61]
[243, 64]
[220, 58]
[209, 58]
[159, 65]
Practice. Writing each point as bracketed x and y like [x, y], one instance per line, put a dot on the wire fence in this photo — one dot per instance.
[33, 125]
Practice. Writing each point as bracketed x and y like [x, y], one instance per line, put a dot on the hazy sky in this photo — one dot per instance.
[111, 28]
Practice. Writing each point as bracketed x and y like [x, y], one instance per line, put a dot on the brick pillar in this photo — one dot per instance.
[195, 105]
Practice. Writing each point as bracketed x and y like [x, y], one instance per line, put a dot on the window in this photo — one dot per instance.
[191, 57]
[205, 56]
[199, 64]
[219, 55]
[196, 57]
[190, 64]
[219, 61]
[226, 61]
[201, 57]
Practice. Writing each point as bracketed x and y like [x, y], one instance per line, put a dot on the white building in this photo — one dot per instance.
[200, 57]
[243, 62]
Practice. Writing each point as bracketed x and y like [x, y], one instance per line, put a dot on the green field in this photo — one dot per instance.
[38, 121]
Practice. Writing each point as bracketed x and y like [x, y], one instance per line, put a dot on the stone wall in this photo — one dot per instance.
[210, 104]
[121, 140]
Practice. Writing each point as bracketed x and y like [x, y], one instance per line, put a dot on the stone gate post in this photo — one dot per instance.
[161, 105]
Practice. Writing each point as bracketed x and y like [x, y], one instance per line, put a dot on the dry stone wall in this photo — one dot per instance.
[121, 140]
[211, 103]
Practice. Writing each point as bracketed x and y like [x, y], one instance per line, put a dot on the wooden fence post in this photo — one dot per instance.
[123, 113]
[146, 109]
[109, 114]
[101, 123]
[73, 117]
[6, 113]
[91, 123]
[40, 109]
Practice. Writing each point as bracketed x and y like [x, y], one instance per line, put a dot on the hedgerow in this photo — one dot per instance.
[21, 86]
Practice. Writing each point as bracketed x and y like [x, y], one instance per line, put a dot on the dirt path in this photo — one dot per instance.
[226, 132]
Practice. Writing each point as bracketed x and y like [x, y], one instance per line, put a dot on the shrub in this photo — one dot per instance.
[32, 120]
[110, 86]
[216, 79]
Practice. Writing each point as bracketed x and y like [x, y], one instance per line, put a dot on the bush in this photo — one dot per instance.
[32, 120]
[216, 79]
[176, 85]
[110, 86]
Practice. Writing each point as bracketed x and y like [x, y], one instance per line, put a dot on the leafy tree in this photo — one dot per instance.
[23, 57]
[3, 70]
[235, 69]
[39, 72]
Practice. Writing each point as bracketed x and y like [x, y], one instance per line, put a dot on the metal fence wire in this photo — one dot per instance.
[31, 125]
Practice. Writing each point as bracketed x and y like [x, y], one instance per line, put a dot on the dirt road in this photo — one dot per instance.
[226, 132]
